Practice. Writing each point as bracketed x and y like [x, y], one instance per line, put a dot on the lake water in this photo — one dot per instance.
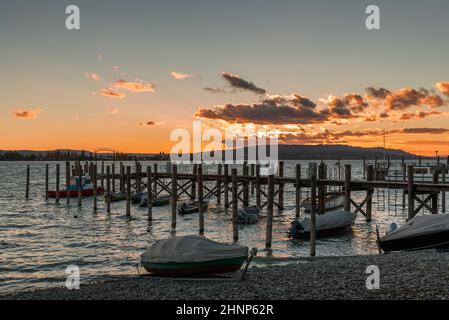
[39, 239]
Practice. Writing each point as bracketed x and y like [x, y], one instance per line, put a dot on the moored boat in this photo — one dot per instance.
[155, 202]
[332, 201]
[249, 215]
[421, 232]
[115, 197]
[328, 224]
[193, 255]
[192, 207]
[86, 186]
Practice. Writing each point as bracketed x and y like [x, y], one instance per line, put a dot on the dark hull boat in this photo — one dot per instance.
[249, 215]
[328, 224]
[115, 197]
[155, 202]
[193, 255]
[421, 232]
[192, 207]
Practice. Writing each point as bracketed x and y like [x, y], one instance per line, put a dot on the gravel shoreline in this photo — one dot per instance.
[405, 275]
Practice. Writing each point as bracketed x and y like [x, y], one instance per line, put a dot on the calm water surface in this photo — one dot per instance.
[39, 239]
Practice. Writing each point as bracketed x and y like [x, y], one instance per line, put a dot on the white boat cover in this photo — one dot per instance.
[420, 225]
[192, 248]
[330, 220]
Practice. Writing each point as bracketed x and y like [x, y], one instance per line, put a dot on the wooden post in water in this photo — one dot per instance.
[149, 195]
[270, 202]
[313, 195]
[58, 170]
[113, 177]
[404, 178]
[138, 176]
[258, 199]
[67, 180]
[298, 191]
[443, 194]
[27, 186]
[200, 199]
[219, 179]
[102, 173]
[369, 194]
[281, 186]
[245, 185]
[108, 189]
[321, 189]
[410, 192]
[435, 195]
[226, 185]
[364, 167]
[347, 204]
[253, 167]
[122, 177]
[46, 181]
[155, 180]
[193, 189]
[174, 194]
[235, 201]
[128, 191]
[80, 186]
[94, 179]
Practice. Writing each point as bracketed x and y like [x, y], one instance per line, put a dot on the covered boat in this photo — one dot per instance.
[193, 255]
[421, 232]
[86, 185]
[328, 224]
[155, 202]
[332, 200]
[192, 207]
[249, 215]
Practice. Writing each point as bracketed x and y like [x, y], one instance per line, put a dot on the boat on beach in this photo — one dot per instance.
[419, 233]
[328, 224]
[193, 255]
[192, 207]
[86, 186]
[249, 215]
[332, 201]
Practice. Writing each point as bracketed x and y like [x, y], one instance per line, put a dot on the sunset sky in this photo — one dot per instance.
[136, 70]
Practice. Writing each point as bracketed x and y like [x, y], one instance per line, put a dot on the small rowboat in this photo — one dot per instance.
[137, 197]
[249, 215]
[115, 197]
[86, 186]
[328, 224]
[155, 202]
[193, 255]
[332, 200]
[192, 207]
[421, 232]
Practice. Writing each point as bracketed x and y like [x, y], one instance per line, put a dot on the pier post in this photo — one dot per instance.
[226, 185]
[270, 201]
[258, 199]
[128, 191]
[67, 180]
[219, 179]
[252, 173]
[435, 195]
[313, 195]
[108, 189]
[138, 176]
[369, 194]
[174, 194]
[193, 190]
[155, 179]
[410, 192]
[281, 186]
[113, 177]
[149, 195]
[122, 177]
[80, 186]
[235, 201]
[364, 168]
[443, 194]
[27, 186]
[420, 161]
[200, 199]
[58, 170]
[298, 190]
[404, 178]
[321, 189]
[245, 186]
[102, 173]
[347, 204]
[94, 179]
[46, 181]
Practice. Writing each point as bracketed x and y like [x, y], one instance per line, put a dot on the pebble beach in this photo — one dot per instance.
[404, 275]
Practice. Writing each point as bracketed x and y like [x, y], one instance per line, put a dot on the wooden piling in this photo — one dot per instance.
[270, 202]
[149, 195]
[122, 177]
[313, 196]
[46, 181]
[298, 191]
[193, 189]
[138, 170]
[410, 192]
[443, 193]
[219, 179]
[235, 200]
[369, 194]
[245, 186]
[281, 186]
[258, 198]
[435, 194]
[174, 194]
[94, 179]
[58, 170]
[321, 189]
[226, 186]
[347, 203]
[128, 191]
[67, 180]
[113, 177]
[155, 179]
[80, 186]
[27, 186]
[108, 189]
[364, 168]
[102, 173]
[252, 173]
[200, 199]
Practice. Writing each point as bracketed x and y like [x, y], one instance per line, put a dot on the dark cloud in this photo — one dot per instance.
[239, 83]
[424, 130]
[379, 93]
[214, 90]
